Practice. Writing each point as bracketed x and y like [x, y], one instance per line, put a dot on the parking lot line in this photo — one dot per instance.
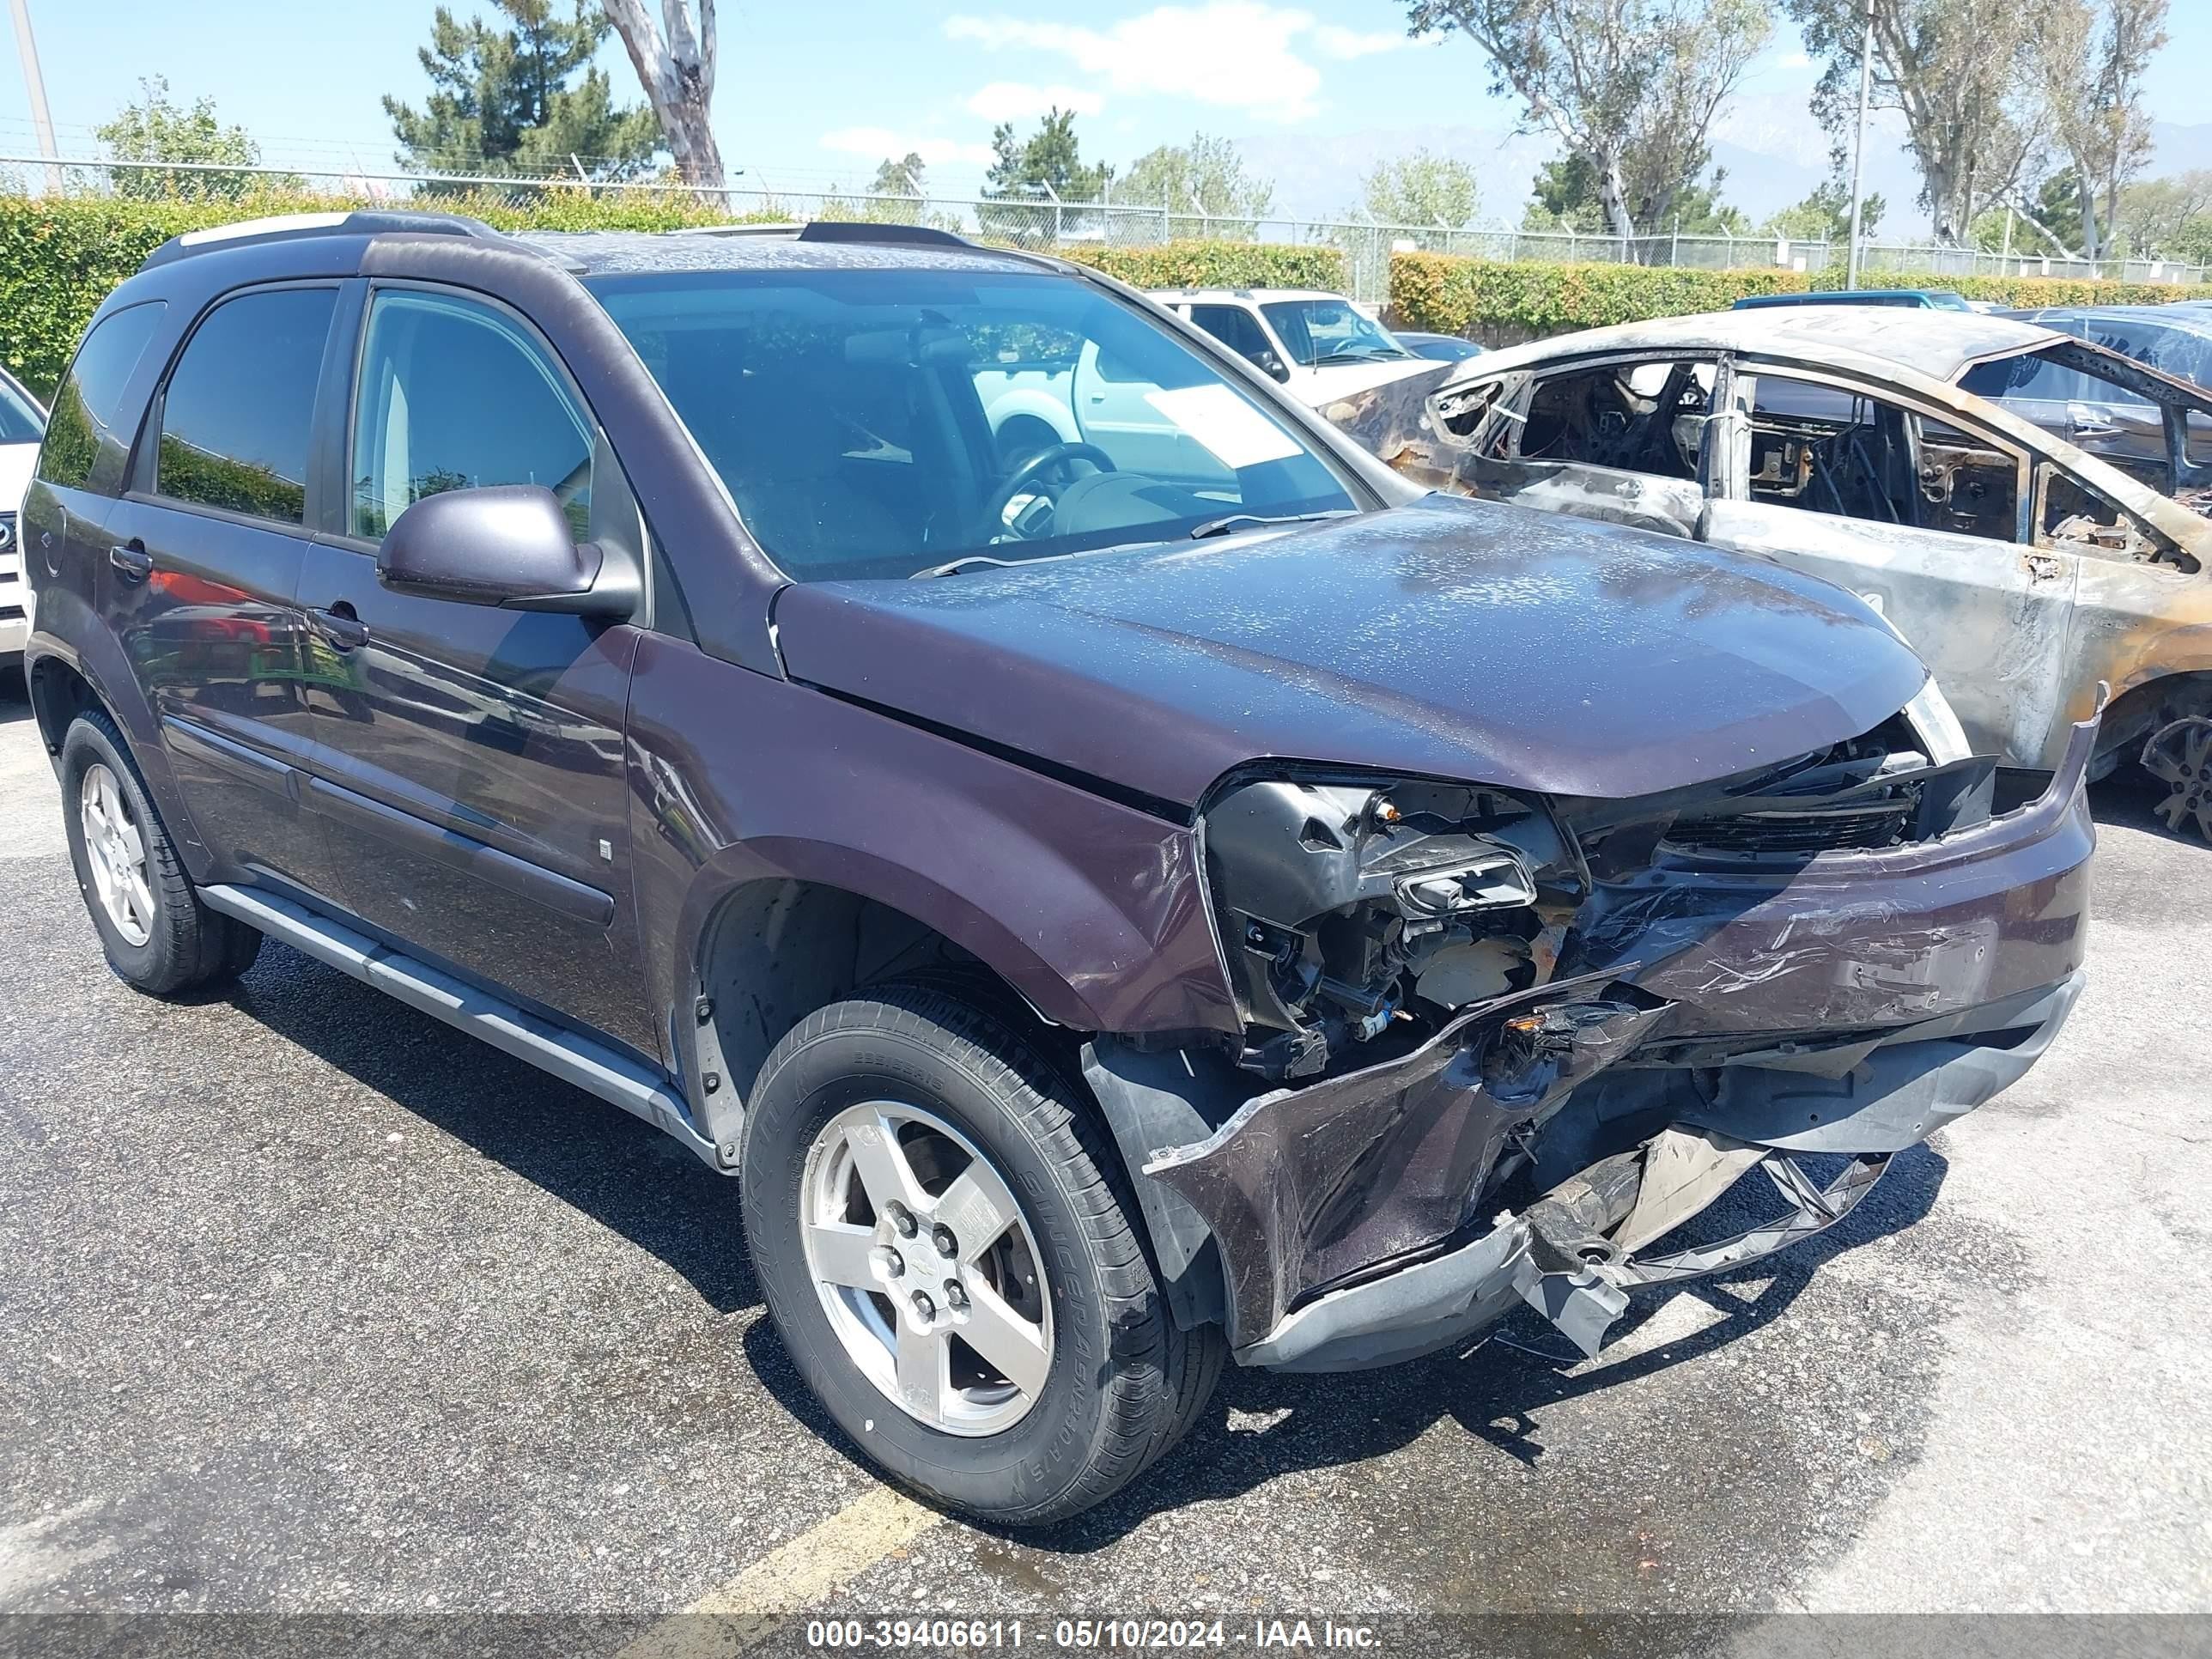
[788, 1579]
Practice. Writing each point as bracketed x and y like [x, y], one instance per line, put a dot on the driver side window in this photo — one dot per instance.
[455, 394]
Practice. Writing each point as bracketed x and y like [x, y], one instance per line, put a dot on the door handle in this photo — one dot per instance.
[131, 560]
[339, 626]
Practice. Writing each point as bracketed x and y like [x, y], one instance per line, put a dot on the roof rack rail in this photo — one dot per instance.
[849, 230]
[289, 227]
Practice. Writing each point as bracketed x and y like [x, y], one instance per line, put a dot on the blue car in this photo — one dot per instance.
[1918, 298]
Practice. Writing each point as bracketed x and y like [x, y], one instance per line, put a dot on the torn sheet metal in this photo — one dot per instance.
[1306, 1186]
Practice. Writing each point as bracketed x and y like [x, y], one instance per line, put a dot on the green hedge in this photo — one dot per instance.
[1201, 263]
[1450, 294]
[59, 257]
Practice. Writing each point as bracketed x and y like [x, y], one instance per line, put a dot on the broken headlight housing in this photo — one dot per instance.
[1347, 908]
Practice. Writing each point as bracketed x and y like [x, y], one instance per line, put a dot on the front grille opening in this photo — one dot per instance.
[1871, 792]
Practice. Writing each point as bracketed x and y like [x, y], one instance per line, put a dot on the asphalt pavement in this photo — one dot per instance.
[310, 1305]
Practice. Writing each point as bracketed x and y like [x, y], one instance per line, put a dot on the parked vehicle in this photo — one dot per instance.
[2117, 422]
[1437, 348]
[1907, 299]
[23, 425]
[1108, 923]
[1320, 347]
[1850, 444]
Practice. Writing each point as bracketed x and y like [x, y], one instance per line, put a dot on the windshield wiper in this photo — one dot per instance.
[1359, 357]
[965, 562]
[1230, 522]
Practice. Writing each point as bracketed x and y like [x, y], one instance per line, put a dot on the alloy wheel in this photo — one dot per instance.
[926, 1267]
[2180, 755]
[115, 850]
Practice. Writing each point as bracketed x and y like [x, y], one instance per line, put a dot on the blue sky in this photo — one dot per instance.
[810, 95]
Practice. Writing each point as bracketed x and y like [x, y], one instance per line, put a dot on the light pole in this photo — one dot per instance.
[41, 119]
[1858, 151]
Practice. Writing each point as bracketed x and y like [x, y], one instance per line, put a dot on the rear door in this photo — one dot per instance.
[471, 762]
[205, 550]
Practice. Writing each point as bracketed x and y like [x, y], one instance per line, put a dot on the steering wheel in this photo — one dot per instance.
[1027, 474]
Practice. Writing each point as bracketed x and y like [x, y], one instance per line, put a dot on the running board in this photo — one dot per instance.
[590, 1066]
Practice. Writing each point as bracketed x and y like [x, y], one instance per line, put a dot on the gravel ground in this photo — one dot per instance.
[313, 1306]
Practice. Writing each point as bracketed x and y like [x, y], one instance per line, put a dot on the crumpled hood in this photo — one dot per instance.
[1449, 638]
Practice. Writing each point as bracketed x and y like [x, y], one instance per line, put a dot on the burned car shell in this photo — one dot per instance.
[2019, 630]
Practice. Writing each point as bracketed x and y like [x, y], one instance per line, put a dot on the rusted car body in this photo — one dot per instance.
[2024, 570]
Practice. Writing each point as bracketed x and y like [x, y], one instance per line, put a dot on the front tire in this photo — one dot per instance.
[158, 936]
[950, 1252]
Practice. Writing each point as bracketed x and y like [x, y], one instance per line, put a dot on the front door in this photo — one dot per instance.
[1618, 439]
[471, 767]
[1922, 519]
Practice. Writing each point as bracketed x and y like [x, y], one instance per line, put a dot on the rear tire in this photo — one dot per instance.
[1040, 1438]
[158, 936]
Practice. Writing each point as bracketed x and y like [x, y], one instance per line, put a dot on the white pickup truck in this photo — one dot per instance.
[1320, 346]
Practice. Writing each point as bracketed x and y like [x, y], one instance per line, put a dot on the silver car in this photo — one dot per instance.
[2026, 571]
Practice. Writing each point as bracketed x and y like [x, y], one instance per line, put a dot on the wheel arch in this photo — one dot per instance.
[74, 664]
[775, 948]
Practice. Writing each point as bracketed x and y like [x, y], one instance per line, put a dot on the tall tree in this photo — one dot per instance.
[676, 70]
[1420, 188]
[1629, 85]
[1825, 215]
[1961, 71]
[2093, 55]
[509, 100]
[1035, 171]
[900, 177]
[1205, 176]
[1564, 196]
[2169, 218]
[157, 129]
[1051, 156]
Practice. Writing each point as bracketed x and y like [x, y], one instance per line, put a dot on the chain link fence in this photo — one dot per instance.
[1038, 223]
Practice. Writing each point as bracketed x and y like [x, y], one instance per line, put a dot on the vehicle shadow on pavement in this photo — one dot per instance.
[1263, 1424]
[625, 1174]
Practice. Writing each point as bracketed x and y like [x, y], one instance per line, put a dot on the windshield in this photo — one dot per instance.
[1319, 332]
[20, 420]
[886, 422]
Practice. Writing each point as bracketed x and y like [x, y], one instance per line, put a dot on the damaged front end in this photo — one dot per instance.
[1498, 1048]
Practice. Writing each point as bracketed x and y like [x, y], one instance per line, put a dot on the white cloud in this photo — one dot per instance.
[881, 143]
[1339, 42]
[1797, 60]
[1018, 100]
[1233, 54]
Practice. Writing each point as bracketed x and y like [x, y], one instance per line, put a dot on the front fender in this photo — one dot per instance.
[1091, 910]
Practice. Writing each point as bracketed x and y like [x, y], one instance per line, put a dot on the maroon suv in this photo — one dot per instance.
[1122, 888]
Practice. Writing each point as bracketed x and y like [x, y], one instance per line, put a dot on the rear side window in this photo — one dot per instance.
[457, 395]
[236, 414]
[1235, 327]
[86, 408]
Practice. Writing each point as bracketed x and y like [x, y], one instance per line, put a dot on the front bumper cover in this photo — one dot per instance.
[1855, 1007]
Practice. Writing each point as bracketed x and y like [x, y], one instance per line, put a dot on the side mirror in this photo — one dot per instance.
[1275, 366]
[508, 545]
